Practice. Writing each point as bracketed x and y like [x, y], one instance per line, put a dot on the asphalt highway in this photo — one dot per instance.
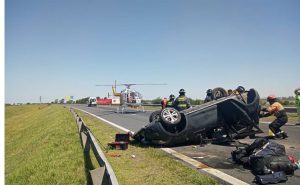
[215, 156]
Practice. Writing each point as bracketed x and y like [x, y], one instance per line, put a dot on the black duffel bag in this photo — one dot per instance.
[258, 164]
[273, 178]
[240, 156]
[282, 163]
[268, 164]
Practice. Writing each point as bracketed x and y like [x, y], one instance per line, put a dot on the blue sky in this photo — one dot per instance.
[55, 48]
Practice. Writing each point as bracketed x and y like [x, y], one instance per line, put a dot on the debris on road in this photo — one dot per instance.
[197, 157]
[120, 143]
[266, 159]
[114, 155]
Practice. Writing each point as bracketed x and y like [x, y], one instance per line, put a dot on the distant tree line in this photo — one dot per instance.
[82, 101]
[159, 99]
[286, 101]
[57, 101]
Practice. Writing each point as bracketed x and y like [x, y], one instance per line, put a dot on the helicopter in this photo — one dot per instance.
[128, 96]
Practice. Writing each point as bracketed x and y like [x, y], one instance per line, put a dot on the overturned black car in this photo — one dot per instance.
[225, 119]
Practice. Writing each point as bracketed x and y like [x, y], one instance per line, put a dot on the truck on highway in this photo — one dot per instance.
[92, 102]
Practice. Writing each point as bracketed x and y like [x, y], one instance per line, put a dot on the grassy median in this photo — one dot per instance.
[142, 165]
[42, 146]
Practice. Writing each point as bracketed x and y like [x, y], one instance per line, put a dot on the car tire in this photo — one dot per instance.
[240, 89]
[218, 93]
[155, 116]
[170, 116]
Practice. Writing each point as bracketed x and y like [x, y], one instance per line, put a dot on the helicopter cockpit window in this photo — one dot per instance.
[134, 97]
[138, 95]
[131, 97]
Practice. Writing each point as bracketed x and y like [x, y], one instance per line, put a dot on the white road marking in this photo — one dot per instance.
[102, 119]
[217, 173]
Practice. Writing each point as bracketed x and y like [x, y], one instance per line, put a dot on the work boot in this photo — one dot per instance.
[279, 135]
[284, 135]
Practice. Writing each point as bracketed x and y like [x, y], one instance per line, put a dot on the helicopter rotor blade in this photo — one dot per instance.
[132, 84]
[110, 85]
[145, 84]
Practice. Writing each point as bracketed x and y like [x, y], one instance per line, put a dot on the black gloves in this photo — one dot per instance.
[264, 109]
[261, 115]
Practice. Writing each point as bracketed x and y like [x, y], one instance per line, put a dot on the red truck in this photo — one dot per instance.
[103, 101]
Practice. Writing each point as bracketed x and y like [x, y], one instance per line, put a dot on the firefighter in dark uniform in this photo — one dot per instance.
[208, 97]
[170, 102]
[181, 102]
[279, 112]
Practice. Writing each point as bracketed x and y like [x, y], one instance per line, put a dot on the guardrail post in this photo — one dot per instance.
[99, 176]
[85, 142]
[104, 175]
[79, 124]
[84, 136]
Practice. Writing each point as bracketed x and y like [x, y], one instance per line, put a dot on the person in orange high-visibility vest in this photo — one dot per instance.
[279, 112]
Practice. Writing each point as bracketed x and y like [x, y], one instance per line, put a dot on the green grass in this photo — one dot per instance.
[150, 166]
[42, 146]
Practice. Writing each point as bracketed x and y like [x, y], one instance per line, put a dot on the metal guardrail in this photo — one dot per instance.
[104, 175]
[154, 105]
[291, 109]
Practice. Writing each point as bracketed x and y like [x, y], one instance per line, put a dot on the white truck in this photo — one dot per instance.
[92, 102]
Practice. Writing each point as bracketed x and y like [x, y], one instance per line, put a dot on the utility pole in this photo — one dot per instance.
[40, 99]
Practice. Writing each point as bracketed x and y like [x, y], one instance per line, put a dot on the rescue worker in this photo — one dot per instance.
[170, 102]
[163, 103]
[208, 97]
[182, 102]
[279, 112]
[229, 92]
[297, 98]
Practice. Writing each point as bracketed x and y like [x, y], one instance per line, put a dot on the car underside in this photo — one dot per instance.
[224, 119]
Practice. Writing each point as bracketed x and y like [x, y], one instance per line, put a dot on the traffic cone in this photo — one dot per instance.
[270, 133]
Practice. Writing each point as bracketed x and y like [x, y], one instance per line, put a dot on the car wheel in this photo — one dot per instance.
[170, 116]
[219, 92]
[155, 116]
[241, 89]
